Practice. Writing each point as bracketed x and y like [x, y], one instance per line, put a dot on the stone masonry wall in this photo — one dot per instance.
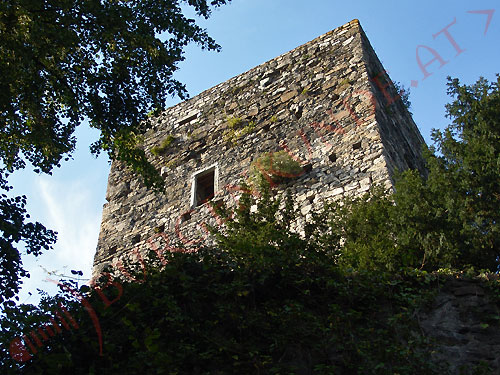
[325, 102]
[463, 322]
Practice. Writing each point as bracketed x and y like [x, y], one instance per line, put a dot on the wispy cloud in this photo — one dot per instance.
[68, 207]
[72, 213]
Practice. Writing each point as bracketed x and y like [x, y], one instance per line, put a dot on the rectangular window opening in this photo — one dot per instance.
[204, 186]
[188, 118]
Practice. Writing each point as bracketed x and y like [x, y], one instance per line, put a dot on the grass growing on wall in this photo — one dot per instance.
[274, 168]
[165, 144]
[237, 128]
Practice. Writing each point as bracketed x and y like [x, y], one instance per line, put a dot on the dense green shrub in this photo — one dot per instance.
[274, 168]
[264, 301]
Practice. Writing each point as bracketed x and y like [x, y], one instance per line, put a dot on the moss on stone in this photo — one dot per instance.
[237, 129]
[165, 144]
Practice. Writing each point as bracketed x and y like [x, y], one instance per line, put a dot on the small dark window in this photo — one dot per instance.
[356, 146]
[185, 216]
[332, 157]
[205, 187]
[188, 118]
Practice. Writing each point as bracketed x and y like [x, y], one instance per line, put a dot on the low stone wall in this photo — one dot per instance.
[464, 321]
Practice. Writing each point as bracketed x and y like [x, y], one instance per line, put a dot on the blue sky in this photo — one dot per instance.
[250, 33]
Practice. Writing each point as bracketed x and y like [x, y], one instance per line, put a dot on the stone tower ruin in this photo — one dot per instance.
[328, 103]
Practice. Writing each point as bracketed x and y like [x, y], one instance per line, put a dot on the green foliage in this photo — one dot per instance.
[404, 94]
[249, 128]
[135, 157]
[66, 62]
[154, 112]
[273, 168]
[345, 81]
[234, 122]
[448, 218]
[237, 128]
[59, 68]
[365, 226]
[470, 157]
[165, 144]
[263, 240]
[456, 207]
[15, 228]
[263, 301]
[393, 231]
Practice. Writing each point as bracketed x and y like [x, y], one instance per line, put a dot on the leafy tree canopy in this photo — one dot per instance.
[451, 216]
[64, 61]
